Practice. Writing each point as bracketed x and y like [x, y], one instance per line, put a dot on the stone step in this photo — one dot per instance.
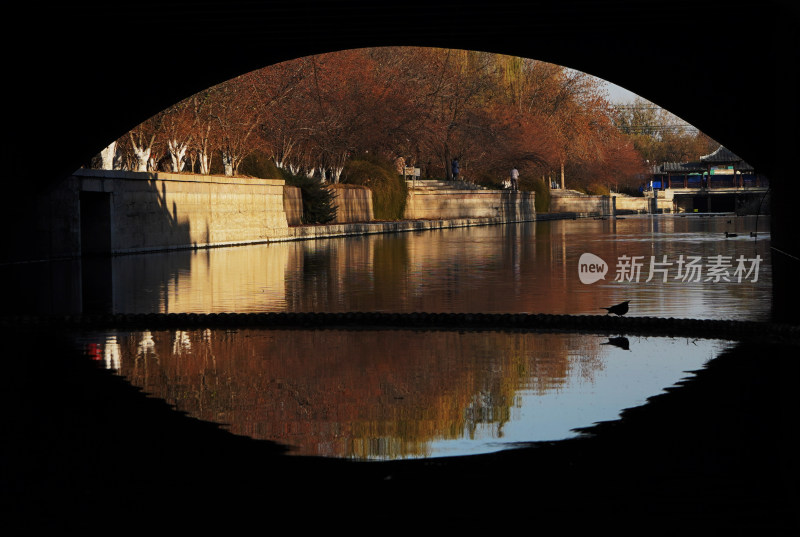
[433, 184]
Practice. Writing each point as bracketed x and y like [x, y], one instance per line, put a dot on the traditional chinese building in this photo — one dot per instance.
[720, 169]
[722, 175]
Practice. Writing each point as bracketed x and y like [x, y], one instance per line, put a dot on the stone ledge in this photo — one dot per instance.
[181, 177]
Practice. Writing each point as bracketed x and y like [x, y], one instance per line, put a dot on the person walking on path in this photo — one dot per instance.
[514, 179]
[455, 168]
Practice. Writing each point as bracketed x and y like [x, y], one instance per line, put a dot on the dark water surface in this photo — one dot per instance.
[523, 268]
[386, 394]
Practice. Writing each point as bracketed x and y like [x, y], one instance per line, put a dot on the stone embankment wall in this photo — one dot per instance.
[593, 204]
[353, 204]
[446, 204]
[369, 228]
[293, 205]
[160, 211]
[641, 205]
[102, 211]
[580, 204]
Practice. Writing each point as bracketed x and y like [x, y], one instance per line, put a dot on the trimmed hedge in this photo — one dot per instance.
[259, 164]
[389, 191]
[598, 190]
[542, 190]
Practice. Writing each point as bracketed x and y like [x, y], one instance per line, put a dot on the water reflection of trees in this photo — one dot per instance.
[365, 394]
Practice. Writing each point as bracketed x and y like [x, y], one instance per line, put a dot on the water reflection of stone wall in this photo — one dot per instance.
[529, 268]
[330, 274]
[241, 279]
[366, 394]
[520, 268]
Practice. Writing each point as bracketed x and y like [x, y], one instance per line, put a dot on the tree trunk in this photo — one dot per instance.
[142, 154]
[108, 155]
[177, 153]
[205, 162]
[562, 175]
[142, 158]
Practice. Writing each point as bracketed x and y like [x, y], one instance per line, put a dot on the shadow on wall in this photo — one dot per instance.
[60, 259]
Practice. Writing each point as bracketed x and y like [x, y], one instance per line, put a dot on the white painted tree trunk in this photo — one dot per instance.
[336, 173]
[108, 155]
[205, 162]
[177, 153]
[142, 158]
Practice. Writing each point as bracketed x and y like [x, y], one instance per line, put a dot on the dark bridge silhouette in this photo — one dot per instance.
[100, 70]
[81, 445]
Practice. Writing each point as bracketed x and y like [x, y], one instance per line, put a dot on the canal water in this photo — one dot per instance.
[386, 394]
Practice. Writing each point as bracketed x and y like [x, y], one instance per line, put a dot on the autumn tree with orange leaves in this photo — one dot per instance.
[426, 105]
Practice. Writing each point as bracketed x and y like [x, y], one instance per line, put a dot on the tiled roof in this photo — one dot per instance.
[719, 157]
[679, 167]
[723, 155]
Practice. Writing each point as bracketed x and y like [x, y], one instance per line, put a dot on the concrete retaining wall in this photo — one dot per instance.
[447, 204]
[602, 204]
[369, 228]
[641, 205]
[293, 205]
[353, 204]
[102, 211]
[124, 212]
[580, 204]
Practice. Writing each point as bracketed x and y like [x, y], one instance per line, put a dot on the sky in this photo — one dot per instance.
[618, 94]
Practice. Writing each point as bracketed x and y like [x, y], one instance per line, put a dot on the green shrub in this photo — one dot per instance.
[630, 191]
[598, 190]
[488, 180]
[542, 192]
[318, 206]
[389, 191]
[259, 164]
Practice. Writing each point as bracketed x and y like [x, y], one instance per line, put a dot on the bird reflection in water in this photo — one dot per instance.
[619, 341]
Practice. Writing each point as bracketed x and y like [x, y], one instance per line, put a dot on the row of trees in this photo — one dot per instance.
[658, 135]
[427, 106]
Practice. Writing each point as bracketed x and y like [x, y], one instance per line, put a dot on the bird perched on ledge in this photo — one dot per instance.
[619, 309]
